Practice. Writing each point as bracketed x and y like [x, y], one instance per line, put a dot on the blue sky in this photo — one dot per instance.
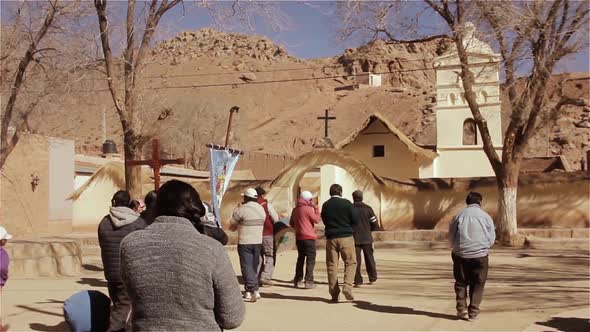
[307, 29]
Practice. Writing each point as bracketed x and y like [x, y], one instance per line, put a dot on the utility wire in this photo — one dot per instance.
[215, 74]
[237, 84]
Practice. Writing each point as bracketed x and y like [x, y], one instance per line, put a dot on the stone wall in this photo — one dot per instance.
[44, 258]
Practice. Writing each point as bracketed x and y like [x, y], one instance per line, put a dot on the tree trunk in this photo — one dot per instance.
[507, 230]
[133, 181]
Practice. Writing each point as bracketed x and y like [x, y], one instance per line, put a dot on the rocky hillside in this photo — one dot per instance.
[197, 76]
[190, 45]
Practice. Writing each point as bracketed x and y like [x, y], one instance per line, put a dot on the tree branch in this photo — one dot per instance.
[101, 11]
[18, 81]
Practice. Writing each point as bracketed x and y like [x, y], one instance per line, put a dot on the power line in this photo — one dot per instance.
[237, 84]
[216, 74]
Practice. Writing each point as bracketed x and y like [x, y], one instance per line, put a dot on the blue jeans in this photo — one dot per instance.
[249, 260]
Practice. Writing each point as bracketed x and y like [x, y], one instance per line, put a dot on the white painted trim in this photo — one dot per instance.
[494, 84]
[455, 107]
[465, 147]
[438, 66]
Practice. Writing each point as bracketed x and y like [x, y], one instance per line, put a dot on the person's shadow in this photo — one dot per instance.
[364, 305]
[293, 297]
[568, 324]
[92, 282]
[61, 327]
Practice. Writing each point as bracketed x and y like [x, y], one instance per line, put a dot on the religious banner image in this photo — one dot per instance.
[223, 163]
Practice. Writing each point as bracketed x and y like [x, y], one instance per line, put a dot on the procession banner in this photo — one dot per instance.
[223, 163]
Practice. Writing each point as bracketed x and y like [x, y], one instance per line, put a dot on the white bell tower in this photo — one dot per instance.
[459, 142]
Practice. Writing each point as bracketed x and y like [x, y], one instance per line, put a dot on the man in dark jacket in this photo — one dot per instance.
[339, 216]
[120, 221]
[209, 226]
[150, 203]
[363, 239]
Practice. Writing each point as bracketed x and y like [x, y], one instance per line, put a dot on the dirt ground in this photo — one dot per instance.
[529, 290]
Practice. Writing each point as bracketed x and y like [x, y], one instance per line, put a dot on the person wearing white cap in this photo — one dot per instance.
[248, 219]
[4, 259]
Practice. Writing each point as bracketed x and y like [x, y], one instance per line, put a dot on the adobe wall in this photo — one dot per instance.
[24, 211]
[559, 202]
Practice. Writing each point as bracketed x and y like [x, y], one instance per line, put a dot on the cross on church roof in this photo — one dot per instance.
[326, 118]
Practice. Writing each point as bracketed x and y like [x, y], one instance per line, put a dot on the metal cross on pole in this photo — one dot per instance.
[326, 118]
[155, 163]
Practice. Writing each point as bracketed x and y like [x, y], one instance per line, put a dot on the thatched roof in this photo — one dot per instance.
[113, 171]
[419, 151]
[545, 164]
[313, 159]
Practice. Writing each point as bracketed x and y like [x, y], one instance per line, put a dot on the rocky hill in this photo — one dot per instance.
[197, 76]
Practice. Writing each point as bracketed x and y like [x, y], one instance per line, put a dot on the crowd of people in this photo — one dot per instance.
[154, 250]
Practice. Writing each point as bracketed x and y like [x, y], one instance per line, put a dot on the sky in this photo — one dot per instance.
[307, 29]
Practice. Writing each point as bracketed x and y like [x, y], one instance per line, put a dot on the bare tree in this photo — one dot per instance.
[371, 20]
[532, 37]
[23, 63]
[137, 43]
[133, 63]
[538, 34]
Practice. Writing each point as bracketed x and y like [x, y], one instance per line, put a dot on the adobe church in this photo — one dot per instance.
[422, 187]
[458, 153]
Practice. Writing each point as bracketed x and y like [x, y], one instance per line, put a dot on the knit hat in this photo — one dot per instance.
[250, 192]
[4, 234]
[306, 195]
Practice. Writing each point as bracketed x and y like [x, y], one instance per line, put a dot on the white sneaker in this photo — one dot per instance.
[247, 296]
[257, 295]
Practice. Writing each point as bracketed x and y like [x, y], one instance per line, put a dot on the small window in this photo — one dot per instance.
[378, 151]
[469, 132]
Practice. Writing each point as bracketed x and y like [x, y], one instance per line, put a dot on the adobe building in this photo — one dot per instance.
[458, 153]
[422, 187]
[37, 178]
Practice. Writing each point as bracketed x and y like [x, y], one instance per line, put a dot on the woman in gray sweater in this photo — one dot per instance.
[177, 278]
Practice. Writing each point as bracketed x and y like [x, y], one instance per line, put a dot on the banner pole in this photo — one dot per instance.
[231, 113]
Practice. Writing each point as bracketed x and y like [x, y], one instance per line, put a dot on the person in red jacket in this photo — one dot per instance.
[266, 267]
[303, 220]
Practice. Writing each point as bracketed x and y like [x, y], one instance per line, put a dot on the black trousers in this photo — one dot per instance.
[470, 274]
[370, 265]
[305, 255]
[121, 306]
[249, 260]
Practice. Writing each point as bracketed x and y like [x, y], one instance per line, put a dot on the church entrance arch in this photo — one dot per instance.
[284, 189]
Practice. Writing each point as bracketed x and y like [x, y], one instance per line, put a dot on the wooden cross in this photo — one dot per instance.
[155, 163]
[326, 118]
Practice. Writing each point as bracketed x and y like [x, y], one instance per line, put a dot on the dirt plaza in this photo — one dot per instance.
[527, 289]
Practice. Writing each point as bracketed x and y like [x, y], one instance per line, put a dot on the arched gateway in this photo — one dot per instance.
[283, 190]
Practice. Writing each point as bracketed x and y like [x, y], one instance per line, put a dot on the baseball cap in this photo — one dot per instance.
[4, 234]
[250, 192]
[306, 195]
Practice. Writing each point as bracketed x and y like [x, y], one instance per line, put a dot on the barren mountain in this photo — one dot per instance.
[192, 80]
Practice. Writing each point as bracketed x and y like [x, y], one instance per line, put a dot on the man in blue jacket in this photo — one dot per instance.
[471, 235]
